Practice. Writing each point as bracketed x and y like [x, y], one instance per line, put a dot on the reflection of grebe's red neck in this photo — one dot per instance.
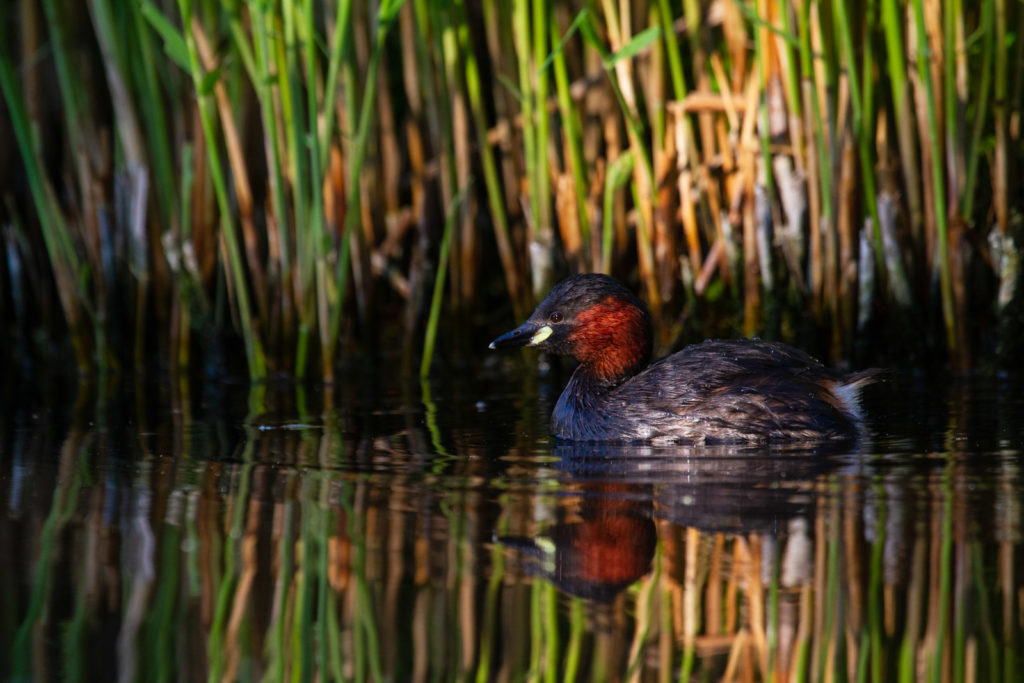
[612, 338]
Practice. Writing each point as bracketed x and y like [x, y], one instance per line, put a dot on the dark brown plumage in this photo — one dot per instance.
[744, 390]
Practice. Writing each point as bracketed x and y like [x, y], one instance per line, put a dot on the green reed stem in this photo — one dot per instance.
[165, 615]
[334, 639]
[489, 630]
[434, 318]
[430, 413]
[536, 629]
[69, 271]
[572, 130]
[542, 79]
[991, 647]
[831, 597]
[790, 45]
[551, 640]
[821, 143]
[575, 645]
[324, 593]
[619, 173]
[945, 277]
[320, 245]
[235, 266]
[261, 23]
[153, 109]
[896, 67]
[876, 621]
[56, 236]
[645, 597]
[385, 18]
[364, 610]
[302, 605]
[73, 639]
[340, 45]
[290, 88]
[680, 89]
[975, 153]
[945, 571]
[71, 105]
[764, 132]
[499, 216]
[1000, 109]
[62, 507]
[675, 59]
[859, 96]
[634, 128]
[523, 42]
[952, 11]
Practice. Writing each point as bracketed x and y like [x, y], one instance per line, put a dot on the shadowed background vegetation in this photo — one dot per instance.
[181, 179]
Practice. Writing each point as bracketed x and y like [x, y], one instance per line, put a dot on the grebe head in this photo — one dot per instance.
[595, 320]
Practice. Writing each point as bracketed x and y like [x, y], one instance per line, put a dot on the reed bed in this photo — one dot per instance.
[289, 174]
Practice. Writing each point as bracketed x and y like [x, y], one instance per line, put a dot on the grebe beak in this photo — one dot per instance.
[527, 334]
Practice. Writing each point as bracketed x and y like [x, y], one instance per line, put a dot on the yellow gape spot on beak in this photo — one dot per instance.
[540, 335]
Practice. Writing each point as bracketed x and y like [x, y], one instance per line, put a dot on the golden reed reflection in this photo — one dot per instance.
[307, 552]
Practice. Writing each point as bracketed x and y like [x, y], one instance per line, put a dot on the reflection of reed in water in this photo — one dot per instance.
[318, 552]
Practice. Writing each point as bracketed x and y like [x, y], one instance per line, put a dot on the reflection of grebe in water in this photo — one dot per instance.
[604, 545]
[605, 536]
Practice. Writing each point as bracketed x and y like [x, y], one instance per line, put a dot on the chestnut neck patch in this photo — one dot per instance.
[612, 339]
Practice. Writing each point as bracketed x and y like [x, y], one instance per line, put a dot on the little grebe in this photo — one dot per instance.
[718, 391]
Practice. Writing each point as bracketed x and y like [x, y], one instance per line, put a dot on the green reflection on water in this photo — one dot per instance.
[258, 549]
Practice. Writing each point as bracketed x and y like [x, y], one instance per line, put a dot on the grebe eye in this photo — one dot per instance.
[556, 317]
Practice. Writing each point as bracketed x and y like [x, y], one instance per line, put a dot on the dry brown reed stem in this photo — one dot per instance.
[742, 212]
[691, 589]
[846, 225]
[852, 552]
[619, 33]
[663, 150]
[713, 591]
[202, 221]
[740, 647]
[240, 602]
[499, 49]
[396, 569]
[756, 594]
[463, 277]
[1009, 587]
[803, 634]
[673, 567]
[930, 641]
[817, 655]
[687, 194]
[642, 625]
[814, 201]
[921, 104]
[239, 169]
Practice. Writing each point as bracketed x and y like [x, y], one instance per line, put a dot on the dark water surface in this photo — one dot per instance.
[388, 530]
